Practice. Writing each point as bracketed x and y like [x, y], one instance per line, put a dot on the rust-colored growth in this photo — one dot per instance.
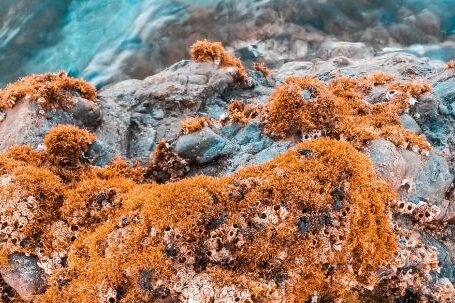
[380, 78]
[338, 110]
[285, 229]
[50, 91]
[66, 143]
[120, 168]
[25, 154]
[207, 51]
[93, 200]
[237, 112]
[450, 64]
[165, 164]
[261, 67]
[194, 124]
[415, 89]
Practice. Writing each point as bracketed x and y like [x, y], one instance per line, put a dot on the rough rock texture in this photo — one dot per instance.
[130, 117]
[388, 161]
[24, 275]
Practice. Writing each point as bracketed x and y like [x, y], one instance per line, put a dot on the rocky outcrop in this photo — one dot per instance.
[130, 117]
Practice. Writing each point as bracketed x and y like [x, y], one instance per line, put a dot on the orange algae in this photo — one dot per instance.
[261, 67]
[207, 51]
[284, 230]
[194, 124]
[67, 142]
[338, 110]
[450, 64]
[239, 112]
[50, 91]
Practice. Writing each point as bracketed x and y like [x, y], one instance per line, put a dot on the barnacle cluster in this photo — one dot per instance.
[315, 224]
[285, 229]
[165, 164]
[49, 91]
[207, 51]
[303, 106]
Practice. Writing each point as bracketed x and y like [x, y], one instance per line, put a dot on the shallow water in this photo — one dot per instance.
[101, 40]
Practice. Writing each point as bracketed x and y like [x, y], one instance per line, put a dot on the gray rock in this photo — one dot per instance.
[353, 50]
[24, 275]
[139, 113]
[437, 127]
[86, 111]
[429, 22]
[295, 69]
[251, 139]
[27, 124]
[204, 146]
[432, 180]
[413, 162]
[230, 130]
[410, 124]
[269, 153]
[387, 160]
[445, 90]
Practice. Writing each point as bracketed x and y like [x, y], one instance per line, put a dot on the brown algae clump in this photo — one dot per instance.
[338, 110]
[207, 51]
[50, 91]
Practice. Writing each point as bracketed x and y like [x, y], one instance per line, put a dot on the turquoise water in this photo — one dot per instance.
[94, 39]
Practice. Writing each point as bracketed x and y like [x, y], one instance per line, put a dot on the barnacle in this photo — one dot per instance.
[338, 110]
[285, 229]
[49, 91]
[207, 51]
[165, 164]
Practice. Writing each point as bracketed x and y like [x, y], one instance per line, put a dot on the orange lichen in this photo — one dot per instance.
[194, 124]
[338, 110]
[120, 168]
[207, 51]
[50, 91]
[380, 78]
[261, 67]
